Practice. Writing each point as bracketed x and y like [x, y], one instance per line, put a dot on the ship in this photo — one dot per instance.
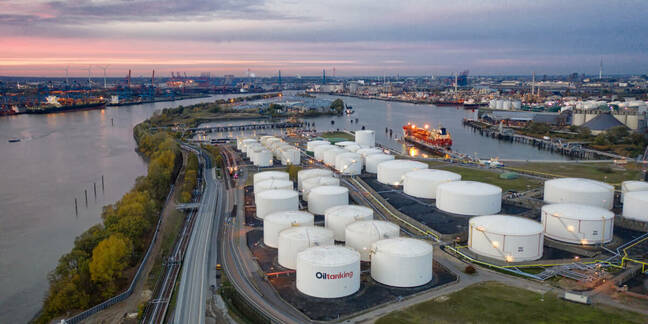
[55, 105]
[7, 111]
[348, 110]
[439, 138]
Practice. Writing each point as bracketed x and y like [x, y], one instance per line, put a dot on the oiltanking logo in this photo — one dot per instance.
[339, 275]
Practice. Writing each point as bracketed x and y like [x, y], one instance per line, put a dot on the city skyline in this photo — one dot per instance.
[360, 38]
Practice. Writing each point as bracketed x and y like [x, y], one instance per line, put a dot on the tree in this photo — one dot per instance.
[337, 105]
[292, 171]
[109, 259]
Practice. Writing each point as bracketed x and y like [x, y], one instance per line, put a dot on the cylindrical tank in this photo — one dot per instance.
[361, 235]
[263, 158]
[635, 205]
[290, 156]
[246, 142]
[296, 239]
[338, 217]
[320, 149]
[579, 191]
[366, 138]
[369, 151]
[469, 198]
[328, 271]
[345, 143]
[506, 238]
[323, 197]
[311, 173]
[267, 175]
[506, 105]
[277, 222]
[516, 104]
[393, 172]
[272, 184]
[578, 224]
[401, 262]
[311, 183]
[352, 147]
[372, 161]
[423, 183]
[349, 163]
[630, 186]
[310, 146]
[329, 155]
[272, 201]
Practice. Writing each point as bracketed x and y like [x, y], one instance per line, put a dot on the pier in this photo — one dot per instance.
[233, 128]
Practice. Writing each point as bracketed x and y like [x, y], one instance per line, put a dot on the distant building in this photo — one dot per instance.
[602, 123]
[631, 118]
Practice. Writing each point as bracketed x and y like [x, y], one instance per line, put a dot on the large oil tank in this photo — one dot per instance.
[578, 224]
[579, 191]
[506, 238]
[349, 163]
[330, 155]
[338, 217]
[267, 175]
[272, 184]
[323, 197]
[372, 161]
[401, 262]
[630, 186]
[328, 271]
[311, 183]
[311, 173]
[320, 149]
[469, 198]
[635, 205]
[393, 172]
[361, 235]
[296, 239]
[310, 146]
[272, 201]
[279, 221]
[423, 183]
[365, 138]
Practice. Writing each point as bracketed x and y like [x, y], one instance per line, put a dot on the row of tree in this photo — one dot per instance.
[105, 256]
[190, 178]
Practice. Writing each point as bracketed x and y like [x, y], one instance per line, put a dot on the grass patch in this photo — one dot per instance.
[170, 232]
[491, 176]
[344, 135]
[492, 302]
[597, 171]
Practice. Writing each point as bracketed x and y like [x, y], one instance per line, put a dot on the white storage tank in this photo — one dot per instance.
[630, 186]
[310, 146]
[290, 156]
[372, 161]
[311, 183]
[311, 173]
[516, 104]
[401, 262]
[469, 198]
[272, 184]
[247, 142]
[349, 163]
[329, 155]
[578, 224]
[393, 172]
[352, 147]
[277, 222]
[324, 197]
[272, 201]
[423, 183]
[365, 138]
[345, 143]
[579, 191]
[635, 205]
[369, 151]
[506, 238]
[268, 175]
[264, 158]
[337, 218]
[328, 271]
[361, 235]
[320, 149]
[296, 239]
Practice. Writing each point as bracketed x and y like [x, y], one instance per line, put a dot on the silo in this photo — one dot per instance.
[423, 183]
[290, 156]
[372, 161]
[630, 186]
[492, 104]
[393, 172]
[578, 224]
[368, 151]
[263, 158]
[311, 173]
[311, 183]
[579, 191]
[328, 271]
[310, 146]
[361, 235]
[320, 149]
[272, 184]
[349, 163]
[329, 155]
[337, 218]
[635, 205]
[469, 198]
[506, 238]
[499, 104]
[323, 197]
[516, 104]
[365, 138]
[277, 222]
[401, 262]
[296, 239]
[246, 142]
[506, 105]
[268, 175]
[272, 201]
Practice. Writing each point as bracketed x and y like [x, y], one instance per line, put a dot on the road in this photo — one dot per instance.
[194, 284]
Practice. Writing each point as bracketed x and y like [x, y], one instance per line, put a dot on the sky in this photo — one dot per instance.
[347, 38]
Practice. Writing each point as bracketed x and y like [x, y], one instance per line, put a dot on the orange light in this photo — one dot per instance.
[427, 126]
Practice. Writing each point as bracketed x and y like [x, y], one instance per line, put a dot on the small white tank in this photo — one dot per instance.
[630, 186]
[469, 198]
[311, 183]
[267, 175]
[320, 149]
[272, 184]
[310, 146]
[401, 262]
[338, 217]
[393, 172]
[372, 161]
[577, 224]
[361, 235]
[296, 239]
[329, 155]
[323, 197]
[328, 271]
[579, 191]
[506, 238]
[311, 173]
[277, 222]
[366, 138]
[272, 201]
[349, 163]
[423, 183]
[635, 205]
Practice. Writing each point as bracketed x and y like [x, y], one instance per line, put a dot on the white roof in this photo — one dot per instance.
[506, 225]
[312, 172]
[637, 195]
[580, 184]
[634, 186]
[402, 164]
[329, 255]
[402, 246]
[274, 183]
[473, 187]
[350, 211]
[433, 175]
[321, 181]
[349, 155]
[277, 194]
[329, 190]
[378, 157]
[578, 211]
[307, 233]
[373, 227]
[270, 174]
[344, 143]
[288, 217]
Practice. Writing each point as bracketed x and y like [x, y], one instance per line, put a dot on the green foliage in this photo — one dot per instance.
[190, 178]
[537, 128]
[292, 171]
[109, 259]
[337, 105]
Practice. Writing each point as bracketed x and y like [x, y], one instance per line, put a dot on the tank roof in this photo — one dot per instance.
[506, 224]
[403, 246]
[330, 255]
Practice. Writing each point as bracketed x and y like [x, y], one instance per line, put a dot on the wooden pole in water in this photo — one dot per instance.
[76, 208]
[102, 183]
[94, 186]
[86, 196]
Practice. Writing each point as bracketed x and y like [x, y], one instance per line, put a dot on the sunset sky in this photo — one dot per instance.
[41, 38]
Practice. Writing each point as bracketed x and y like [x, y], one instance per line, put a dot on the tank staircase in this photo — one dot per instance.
[577, 271]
